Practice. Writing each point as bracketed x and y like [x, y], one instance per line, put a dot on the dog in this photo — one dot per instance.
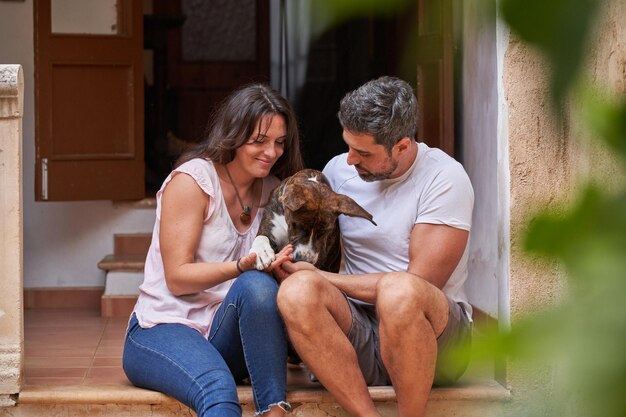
[302, 210]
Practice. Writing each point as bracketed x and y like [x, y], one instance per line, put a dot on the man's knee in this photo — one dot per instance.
[401, 295]
[299, 294]
[403, 299]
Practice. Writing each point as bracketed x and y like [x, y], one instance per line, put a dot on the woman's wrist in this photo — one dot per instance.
[238, 265]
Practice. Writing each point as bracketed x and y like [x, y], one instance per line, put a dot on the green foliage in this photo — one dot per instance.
[586, 333]
[607, 118]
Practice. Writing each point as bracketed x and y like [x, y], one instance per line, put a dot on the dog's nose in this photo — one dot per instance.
[304, 255]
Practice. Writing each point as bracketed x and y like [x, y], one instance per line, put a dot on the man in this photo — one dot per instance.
[401, 298]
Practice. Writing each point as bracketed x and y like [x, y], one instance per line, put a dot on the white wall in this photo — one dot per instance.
[480, 153]
[62, 241]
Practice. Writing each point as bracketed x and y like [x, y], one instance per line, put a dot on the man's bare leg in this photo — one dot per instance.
[318, 318]
[412, 314]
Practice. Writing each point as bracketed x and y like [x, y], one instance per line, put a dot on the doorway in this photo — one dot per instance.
[195, 53]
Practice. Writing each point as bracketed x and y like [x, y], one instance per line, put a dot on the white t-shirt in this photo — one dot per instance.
[220, 242]
[435, 190]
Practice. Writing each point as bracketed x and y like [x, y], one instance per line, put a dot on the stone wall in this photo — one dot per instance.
[11, 235]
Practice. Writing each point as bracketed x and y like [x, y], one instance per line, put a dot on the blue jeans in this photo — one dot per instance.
[247, 339]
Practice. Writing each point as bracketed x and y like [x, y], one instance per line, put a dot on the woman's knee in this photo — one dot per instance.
[257, 288]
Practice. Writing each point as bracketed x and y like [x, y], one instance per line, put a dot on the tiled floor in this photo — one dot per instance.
[72, 347]
[68, 347]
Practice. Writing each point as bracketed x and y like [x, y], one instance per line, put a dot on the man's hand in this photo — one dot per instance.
[281, 257]
[287, 268]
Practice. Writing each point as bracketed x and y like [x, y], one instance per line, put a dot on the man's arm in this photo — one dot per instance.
[434, 253]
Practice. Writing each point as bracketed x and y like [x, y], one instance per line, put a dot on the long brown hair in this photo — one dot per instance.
[234, 122]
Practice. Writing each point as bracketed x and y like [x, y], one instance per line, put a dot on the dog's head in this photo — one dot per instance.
[311, 210]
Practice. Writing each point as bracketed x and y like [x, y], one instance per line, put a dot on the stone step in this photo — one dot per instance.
[120, 293]
[123, 283]
[472, 398]
[124, 273]
[129, 252]
[122, 263]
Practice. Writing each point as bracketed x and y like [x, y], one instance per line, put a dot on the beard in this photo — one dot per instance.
[370, 176]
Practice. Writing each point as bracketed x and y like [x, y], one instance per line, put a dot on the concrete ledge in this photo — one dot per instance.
[483, 390]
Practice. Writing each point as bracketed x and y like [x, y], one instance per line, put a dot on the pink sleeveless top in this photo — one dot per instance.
[220, 242]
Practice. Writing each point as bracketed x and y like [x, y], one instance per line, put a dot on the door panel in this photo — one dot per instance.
[95, 88]
[89, 104]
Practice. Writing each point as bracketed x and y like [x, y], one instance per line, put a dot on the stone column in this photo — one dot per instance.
[11, 232]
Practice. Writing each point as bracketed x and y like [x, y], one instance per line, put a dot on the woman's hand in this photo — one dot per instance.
[248, 262]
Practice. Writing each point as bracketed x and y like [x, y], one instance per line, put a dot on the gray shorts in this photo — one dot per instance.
[450, 364]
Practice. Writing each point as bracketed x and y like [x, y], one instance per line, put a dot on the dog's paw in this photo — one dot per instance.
[264, 253]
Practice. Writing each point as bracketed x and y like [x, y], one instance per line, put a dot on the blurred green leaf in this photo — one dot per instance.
[559, 28]
[607, 119]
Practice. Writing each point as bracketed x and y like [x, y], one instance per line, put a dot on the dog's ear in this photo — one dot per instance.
[345, 205]
[293, 201]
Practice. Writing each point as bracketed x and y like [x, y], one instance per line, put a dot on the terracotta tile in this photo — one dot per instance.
[62, 362]
[89, 339]
[69, 336]
[106, 362]
[107, 375]
[49, 352]
[118, 321]
[53, 298]
[73, 347]
[30, 381]
[109, 352]
[113, 336]
[58, 345]
[112, 342]
[56, 372]
[62, 318]
[116, 327]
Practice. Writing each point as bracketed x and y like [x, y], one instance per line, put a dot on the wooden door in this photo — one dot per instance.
[89, 100]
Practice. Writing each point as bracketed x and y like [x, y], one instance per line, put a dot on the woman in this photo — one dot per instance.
[201, 324]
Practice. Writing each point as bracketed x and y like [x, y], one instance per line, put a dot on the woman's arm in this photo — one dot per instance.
[184, 206]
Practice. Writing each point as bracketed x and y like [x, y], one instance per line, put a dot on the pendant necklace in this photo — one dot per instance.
[245, 214]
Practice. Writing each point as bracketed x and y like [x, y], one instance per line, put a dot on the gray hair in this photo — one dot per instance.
[385, 108]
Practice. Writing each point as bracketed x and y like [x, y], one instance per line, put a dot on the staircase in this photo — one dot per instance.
[124, 273]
